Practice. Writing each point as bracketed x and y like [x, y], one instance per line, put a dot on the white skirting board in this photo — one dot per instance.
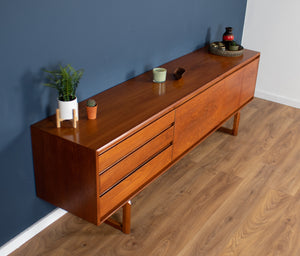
[277, 98]
[30, 232]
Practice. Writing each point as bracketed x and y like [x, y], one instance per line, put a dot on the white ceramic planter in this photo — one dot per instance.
[66, 109]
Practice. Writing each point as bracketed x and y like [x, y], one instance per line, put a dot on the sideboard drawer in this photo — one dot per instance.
[136, 140]
[115, 197]
[118, 171]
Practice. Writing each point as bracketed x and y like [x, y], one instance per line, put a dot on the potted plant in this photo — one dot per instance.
[65, 80]
[233, 46]
[91, 109]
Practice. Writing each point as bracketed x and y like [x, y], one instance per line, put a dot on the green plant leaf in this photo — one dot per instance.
[65, 80]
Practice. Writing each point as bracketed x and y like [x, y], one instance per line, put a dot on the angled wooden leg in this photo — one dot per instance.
[125, 225]
[236, 123]
[235, 128]
[126, 217]
[115, 224]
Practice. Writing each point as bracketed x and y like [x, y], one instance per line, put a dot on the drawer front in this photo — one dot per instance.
[136, 140]
[118, 195]
[132, 161]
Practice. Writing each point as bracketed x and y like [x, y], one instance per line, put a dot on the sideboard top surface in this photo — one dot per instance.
[138, 101]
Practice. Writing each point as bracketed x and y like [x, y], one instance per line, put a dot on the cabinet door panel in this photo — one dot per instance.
[249, 81]
[204, 112]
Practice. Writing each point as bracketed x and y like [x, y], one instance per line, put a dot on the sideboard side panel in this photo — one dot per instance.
[249, 81]
[65, 174]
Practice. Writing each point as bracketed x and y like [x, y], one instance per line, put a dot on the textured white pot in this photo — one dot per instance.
[66, 109]
[159, 75]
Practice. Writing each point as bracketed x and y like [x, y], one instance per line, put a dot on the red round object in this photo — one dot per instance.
[228, 37]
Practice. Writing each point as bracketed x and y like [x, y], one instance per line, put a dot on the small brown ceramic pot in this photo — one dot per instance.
[91, 112]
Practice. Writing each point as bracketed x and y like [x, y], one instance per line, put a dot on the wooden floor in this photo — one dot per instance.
[230, 196]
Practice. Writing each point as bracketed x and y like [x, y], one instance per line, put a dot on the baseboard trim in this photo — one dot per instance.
[277, 98]
[30, 232]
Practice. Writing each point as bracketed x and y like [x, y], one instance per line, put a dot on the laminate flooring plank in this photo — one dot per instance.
[231, 195]
[163, 209]
[285, 156]
[212, 238]
[281, 235]
[190, 218]
[260, 145]
[282, 238]
[177, 212]
[254, 233]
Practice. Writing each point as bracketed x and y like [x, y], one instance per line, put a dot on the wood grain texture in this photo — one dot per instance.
[125, 190]
[63, 177]
[229, 196]
[129, 131]
[198, 116]
[117, 172]
[135, 141]
[201, 114]
[131, 105]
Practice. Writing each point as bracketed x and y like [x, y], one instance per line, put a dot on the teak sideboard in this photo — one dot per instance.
[141, 130]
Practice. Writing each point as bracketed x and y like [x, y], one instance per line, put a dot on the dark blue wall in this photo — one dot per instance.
[112, 40]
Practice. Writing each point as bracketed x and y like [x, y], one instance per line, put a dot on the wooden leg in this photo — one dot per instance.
[115, 224]
[236, 123]
[74, 118]
[125, 225]
[57, 118]
[235, 128]
[126, 217]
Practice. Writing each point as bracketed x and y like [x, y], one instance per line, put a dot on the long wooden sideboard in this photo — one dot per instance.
[141, 130]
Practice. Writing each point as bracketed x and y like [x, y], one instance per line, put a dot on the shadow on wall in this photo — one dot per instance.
[16, 160]
[217, 37]
[39, 101]
[131, 74]
[207, 40]
[208, 36]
